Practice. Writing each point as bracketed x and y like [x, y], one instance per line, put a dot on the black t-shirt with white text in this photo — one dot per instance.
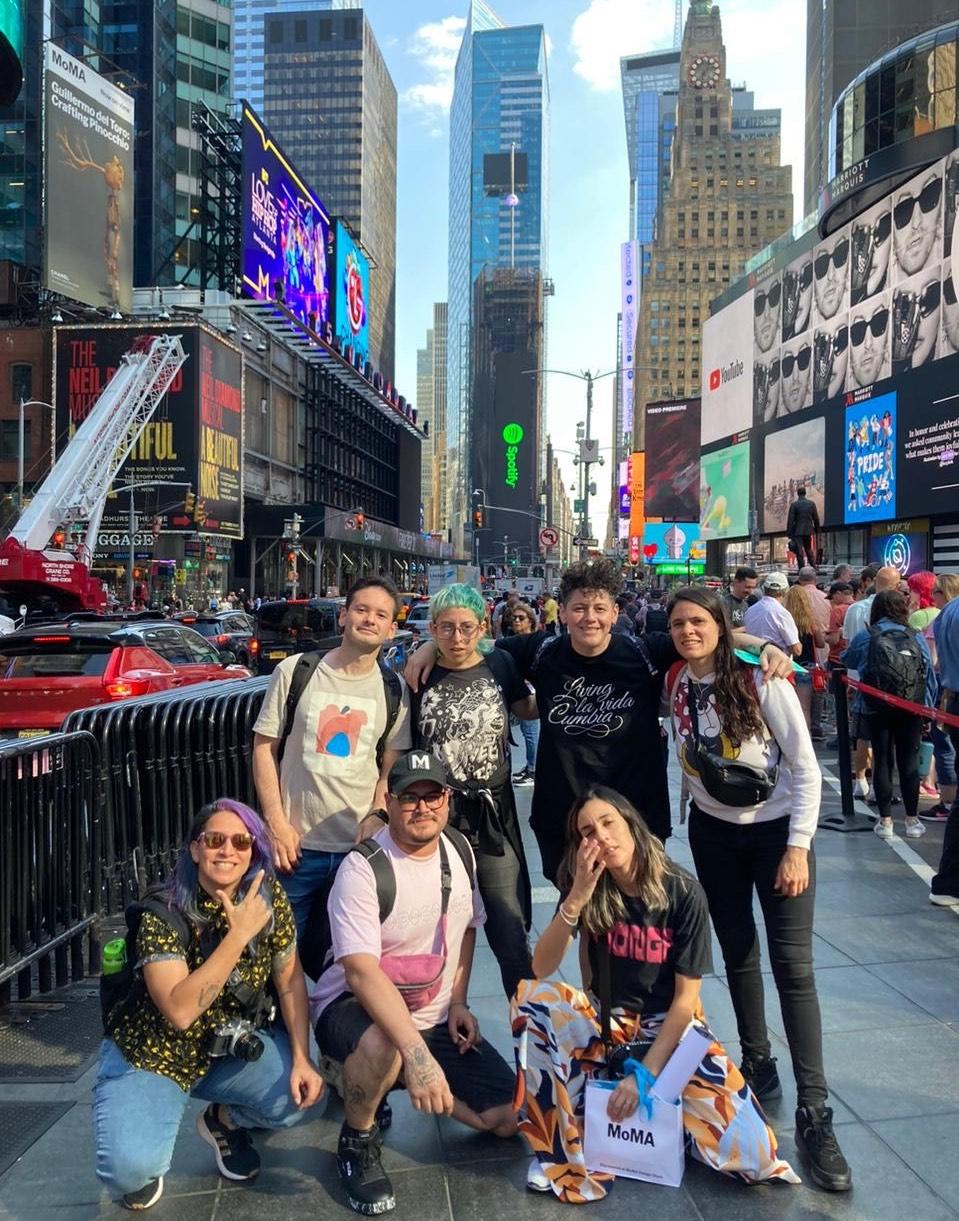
[648, 950]
[599, 724]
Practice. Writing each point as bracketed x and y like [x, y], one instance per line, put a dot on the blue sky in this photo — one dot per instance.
[765, 43]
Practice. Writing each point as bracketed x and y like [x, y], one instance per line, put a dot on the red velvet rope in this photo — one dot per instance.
[929, 714]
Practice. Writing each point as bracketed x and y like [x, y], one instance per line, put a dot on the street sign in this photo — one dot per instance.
[548, 537]
[579, 506]
[585, 542]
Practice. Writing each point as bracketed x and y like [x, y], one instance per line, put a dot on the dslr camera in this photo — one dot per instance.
[238, 1038]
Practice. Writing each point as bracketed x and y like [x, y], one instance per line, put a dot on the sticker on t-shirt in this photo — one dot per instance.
[339, 734]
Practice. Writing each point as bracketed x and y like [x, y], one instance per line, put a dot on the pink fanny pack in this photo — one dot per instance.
[419, 977]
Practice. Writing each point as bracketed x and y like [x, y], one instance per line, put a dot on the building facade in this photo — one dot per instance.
[650, 83]
[498, 217]
[248, 17]
[330, 101]
[424, 405]
[728, 196]
[842, 38]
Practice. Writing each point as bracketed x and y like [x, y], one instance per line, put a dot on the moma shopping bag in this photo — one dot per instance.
[635, 1148]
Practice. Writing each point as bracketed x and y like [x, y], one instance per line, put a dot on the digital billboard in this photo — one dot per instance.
[727, 406]
[672, 542]
[724, 492]
[794, 458]
[351, 293]
[286, 230]
[672, 459]
[900, 544]
[629, 301]
[88, 158]
[11, 50]
[870, 485]
[194, 437]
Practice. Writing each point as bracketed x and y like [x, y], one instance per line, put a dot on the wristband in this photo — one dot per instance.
[379, 813]
[566, 917]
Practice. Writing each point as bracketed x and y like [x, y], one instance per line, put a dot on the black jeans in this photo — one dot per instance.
[802, 546]
[500, 884]
[732, 861]
[895, 738]
[946, 881]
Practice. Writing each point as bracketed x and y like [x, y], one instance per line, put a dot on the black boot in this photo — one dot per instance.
[816, 1140]
[368, 1190]
[762, 1077]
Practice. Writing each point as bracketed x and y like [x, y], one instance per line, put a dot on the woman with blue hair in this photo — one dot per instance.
[461, 714]
[195, 1019]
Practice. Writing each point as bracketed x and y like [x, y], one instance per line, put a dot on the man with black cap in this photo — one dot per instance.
[392, 1008]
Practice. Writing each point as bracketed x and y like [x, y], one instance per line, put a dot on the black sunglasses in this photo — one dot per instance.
[929, 298]
[877, 324]
[882, 228]
[838, 258]
[805, 276]
[772, 297]
[927, 199]
[802, 358]
[840, 340]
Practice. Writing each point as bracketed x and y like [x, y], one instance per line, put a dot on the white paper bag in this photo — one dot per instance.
[636, 1148]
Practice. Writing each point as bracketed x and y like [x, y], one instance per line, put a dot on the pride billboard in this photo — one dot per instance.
[351, 293]
[286, 230]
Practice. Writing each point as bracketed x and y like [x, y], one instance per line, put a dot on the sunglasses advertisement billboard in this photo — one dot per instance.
[724, 492]
[286, 230]
[672, 459]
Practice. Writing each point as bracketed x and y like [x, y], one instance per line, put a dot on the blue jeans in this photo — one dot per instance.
[137, 1114]
[305, 880]
[530, 732]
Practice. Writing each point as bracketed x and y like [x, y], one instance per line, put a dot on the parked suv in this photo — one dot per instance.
[229, 629]
[295, 626]
[51, 669]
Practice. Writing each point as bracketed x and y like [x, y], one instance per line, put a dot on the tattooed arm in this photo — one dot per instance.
[182, 995]
[306, 1084]
[425, 1081]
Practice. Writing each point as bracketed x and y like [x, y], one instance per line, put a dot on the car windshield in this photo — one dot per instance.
[54, 663]
[206, 627]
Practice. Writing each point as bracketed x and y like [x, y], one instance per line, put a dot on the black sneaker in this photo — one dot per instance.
[816, 1140]
[762, 1077]
[368, 1190]
[384, 1115]
[146, 1197]
[232, 1147]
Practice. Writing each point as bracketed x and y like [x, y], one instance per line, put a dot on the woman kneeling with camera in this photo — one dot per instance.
[647, 918]
[194, 1020]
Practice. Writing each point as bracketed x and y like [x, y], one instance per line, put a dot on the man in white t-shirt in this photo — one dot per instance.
[327, 791]
[363, 1021]
[769, 619]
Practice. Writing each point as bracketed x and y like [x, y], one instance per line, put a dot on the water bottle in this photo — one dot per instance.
[114, 957]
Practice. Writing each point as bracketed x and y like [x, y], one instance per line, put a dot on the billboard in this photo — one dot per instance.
[871, 460]
[11, 50]
[794, 457]
[88, 168]
[727, 371]
[672, 542]
[351, 293]
[724, 492]
[672, 459]
[636, 469]
[630, 285]
[286, 230]
[900, 544]
[195, 436]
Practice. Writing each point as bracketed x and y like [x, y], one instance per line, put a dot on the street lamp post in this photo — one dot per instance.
[21, 441]
[132, 520]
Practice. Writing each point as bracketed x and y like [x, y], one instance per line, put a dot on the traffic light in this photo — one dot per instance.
[359, 519]
[200, 512]
[479, 509]
[189, 503]
[59, 538]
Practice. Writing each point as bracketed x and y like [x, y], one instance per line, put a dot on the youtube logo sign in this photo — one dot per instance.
[714, 380]
[727, 377]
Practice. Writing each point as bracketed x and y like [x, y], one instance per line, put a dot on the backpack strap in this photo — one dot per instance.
[303, 671]
[379, 862]
[393, 690]
[462, 846]
[639, 645]
[541, 648]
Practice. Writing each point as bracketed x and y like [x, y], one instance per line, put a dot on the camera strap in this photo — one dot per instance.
[605, 991]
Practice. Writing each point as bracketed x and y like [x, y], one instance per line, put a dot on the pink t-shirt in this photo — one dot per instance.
[410, 928]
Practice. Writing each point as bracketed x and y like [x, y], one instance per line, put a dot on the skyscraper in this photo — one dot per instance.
[330, 101]
[842, 38]
[424, 406]
[498, 223]
[248, 18]
[650, 83]
[728, 196]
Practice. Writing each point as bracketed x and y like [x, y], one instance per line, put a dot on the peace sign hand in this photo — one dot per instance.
[248, 917]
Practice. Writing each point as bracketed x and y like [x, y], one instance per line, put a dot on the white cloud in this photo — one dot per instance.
[436, 45]
[611, 28]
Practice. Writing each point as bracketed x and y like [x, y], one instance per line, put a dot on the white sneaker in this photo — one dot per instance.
[884, 829]
[915, 829]
[944, 900]
[536, 1179]
[860, 788]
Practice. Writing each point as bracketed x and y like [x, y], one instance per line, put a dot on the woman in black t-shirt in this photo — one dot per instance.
[632, 903]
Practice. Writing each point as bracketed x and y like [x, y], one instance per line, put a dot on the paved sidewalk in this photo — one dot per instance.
[888, 974]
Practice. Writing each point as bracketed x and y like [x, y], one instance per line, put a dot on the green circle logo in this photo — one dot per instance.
[513, 434]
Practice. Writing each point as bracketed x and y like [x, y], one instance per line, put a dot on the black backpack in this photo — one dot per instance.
[316, 945]
[304, 670]
[894, 664]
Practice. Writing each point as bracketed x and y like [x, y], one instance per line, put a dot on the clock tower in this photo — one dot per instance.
[705, 99]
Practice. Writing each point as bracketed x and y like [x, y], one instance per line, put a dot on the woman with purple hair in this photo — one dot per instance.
[195, 1020]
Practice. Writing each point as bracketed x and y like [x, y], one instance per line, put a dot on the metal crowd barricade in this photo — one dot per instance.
[50, 860]
[162, 758]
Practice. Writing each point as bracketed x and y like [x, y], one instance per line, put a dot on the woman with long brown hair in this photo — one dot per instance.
[643, 923]
[811, 638]
[755, 785]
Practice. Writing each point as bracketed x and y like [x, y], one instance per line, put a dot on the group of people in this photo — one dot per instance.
[388, 834]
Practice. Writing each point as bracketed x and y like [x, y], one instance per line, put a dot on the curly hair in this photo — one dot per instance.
[735, 690]
[596, 576]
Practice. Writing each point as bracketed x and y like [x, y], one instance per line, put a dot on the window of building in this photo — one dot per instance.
[275, 31]
[10, 440]
[21, 382]
[299, 31]
[326, 29]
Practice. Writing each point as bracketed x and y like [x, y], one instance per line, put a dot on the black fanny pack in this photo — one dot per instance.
[725, 780]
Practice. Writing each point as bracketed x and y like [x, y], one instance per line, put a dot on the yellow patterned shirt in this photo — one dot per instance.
[147, 1039]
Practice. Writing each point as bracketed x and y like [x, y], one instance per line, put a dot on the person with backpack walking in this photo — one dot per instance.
[394, 1003]
[327, 734]
[461, 714]
[747, 757]
[894, 658]
[188, 1015]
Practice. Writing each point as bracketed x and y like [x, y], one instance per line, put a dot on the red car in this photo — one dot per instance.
[51, 669]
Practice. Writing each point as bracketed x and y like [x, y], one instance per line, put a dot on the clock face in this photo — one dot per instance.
[704, 72]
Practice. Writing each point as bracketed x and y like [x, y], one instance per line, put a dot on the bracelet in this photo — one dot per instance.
[379, 813]
[462, 1004]
[765, 645]
[564, 915]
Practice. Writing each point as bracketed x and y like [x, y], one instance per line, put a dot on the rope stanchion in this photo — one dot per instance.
[928, 714]
[849, 819]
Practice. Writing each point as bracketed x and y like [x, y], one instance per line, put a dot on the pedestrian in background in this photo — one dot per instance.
[524, 622]
[811, 639]
[944, 890]
[769, 619]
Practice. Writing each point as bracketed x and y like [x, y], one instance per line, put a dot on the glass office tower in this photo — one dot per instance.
[650, 83]
[498, 204]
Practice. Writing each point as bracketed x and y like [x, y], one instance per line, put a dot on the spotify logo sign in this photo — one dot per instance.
[513, 436]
